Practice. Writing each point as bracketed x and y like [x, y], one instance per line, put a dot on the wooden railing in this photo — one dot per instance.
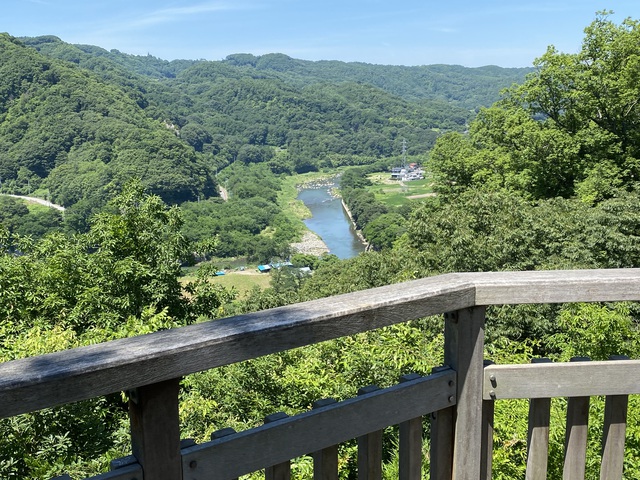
[458, 397]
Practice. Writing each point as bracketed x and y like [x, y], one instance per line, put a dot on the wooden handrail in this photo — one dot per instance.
[150, 366]
[547, 380]
[86, 372]
[291, 437]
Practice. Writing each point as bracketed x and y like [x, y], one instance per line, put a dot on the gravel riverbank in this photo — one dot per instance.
[311, 244]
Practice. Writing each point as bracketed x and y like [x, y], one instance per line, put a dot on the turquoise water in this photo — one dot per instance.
[331, 222]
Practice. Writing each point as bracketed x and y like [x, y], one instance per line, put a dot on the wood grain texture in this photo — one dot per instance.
[410, 449]
[155, 430]
[370, 456]
[464, 346]
[282, 471]
[556, 286]
[538, 438]
[86, 372]
[288, 438]
[486, 453]
[546, 380]
[613, 437]
[325, 463]
[49, 380]
[575, 450]
[441, 445]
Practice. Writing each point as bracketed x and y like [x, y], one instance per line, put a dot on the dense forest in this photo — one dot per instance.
[543, 177]
[77, 121]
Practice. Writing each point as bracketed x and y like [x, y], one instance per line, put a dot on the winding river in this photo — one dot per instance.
[330, 221]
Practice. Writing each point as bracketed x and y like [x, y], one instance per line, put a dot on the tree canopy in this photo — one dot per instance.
[571, 129]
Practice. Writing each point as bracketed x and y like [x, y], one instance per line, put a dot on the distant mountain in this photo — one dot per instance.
[78, 119]
[83, 134]
[469, 88]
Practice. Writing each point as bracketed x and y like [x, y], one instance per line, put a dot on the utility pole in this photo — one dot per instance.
[404, 153]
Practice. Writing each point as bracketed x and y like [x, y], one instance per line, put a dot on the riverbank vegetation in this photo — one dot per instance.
[546, 178]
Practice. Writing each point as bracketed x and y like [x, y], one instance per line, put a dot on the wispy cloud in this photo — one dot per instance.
[167, 15]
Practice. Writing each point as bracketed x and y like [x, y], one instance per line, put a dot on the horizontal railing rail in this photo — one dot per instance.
[577, 381]
[120, 365]
[150, 367]
[311, 431]
[571, 379]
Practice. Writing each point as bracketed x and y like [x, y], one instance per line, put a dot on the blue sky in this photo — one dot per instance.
[392, 32]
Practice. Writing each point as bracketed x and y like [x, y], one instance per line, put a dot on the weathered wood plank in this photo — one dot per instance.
[538, 438]
[325, 461]
[538, 434]
[86, 372]
[545, 380]
[370, 456]
[130, 472]
[441, 448]
[155, 430]
[488, 412]
[486, 453]
[410, 446]
[613, 437]
[410, 443]
[273, 443]
[370, 448]
[556, 286]
[441, 440]
[575, 451]
[281, 471]
[464, 345]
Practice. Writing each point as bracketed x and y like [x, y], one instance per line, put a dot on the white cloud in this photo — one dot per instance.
[166, 15]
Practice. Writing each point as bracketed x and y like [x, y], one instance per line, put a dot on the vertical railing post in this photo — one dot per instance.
[155, 430]
[280, 471]
[464, 346]
[486, 454]
[325, 461]
[575, 443]
[538, 435]
[410, 444]
[614, 433]
[370, 449]
[441, 448]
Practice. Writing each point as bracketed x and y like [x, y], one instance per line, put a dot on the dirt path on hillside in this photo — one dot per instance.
[36, 200]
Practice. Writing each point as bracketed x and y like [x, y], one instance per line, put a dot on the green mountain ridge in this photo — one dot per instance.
[78, 120]
[81, 133]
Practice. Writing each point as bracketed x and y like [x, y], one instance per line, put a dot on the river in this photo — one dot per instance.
[330, 221]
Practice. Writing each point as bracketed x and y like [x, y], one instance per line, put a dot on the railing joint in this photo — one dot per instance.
[274, 417]
[122, 462]
[224, 432]
[368, 389]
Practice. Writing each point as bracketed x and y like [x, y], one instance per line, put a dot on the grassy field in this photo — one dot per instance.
[395, 193]
[243, 282]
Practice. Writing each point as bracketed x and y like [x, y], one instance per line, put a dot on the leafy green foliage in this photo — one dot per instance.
[570, 128]
[85, 137]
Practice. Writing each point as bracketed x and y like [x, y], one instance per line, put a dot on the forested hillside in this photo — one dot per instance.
[77, 121]
[67, 130]
[545, 178]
